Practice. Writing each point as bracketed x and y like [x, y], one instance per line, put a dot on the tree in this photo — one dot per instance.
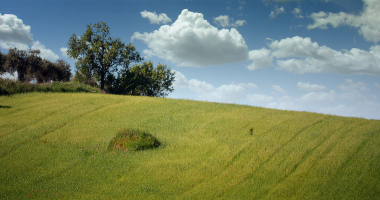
[143, 80]
[26, 63]
[100, 54]
[2, 61]
[48, 71]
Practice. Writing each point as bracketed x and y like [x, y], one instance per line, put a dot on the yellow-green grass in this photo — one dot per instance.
[57, 142]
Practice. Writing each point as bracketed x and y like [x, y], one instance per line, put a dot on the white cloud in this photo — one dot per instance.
[261, 59]
[309, 87]
[276, 12]
[324, 59]
[351, 85]
[377, 85]
[192, 41]
[154, 18]
[259, 98]
[339, 110]
[283, 106]
[318, 97]
[14, 33]
[6, 45]
[297, 12]
[180, 81]
[249, 86]
[368, 21]
[205, 91]
[13, 30]
[224, 21]
[64, 52]
[350, 90]
[45, 53]
[285, 99]
[200, 87]
[279, 89]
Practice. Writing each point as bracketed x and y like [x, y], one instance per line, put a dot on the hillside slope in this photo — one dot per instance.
[54, 145]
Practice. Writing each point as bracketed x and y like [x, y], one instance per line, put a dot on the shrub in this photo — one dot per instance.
[10, 87]
[132, 140]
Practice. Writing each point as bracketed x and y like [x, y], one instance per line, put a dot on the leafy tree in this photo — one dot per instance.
[100, 54]
[17, 61]
[2, 61]
[143, 80]
[48, 71]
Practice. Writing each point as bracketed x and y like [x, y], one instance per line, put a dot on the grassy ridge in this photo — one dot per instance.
[58, 143]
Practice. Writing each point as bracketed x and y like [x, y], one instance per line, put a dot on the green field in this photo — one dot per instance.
[54, 145]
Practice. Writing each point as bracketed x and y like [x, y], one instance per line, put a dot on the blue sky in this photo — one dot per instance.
[309, 55]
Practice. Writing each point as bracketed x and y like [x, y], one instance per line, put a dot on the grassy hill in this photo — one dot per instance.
[55, 145]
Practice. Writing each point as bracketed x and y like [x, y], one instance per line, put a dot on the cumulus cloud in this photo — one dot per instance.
[309, 87]
[180, 81]
[318, 97]
[259, 98]
[45, 53]
[192, 41]
[14, 33]
[276, 12]
[368, 21]
[339, 110]
[6, 45]
[13, 30]
[154, 18]
[64, 52]
[297, 12]
[205, 91]
[224, 93]
[324, 59]
[349, 90]
[279, 89]
[261, 59]
[249, 86]
[283, 106]
[224, 21]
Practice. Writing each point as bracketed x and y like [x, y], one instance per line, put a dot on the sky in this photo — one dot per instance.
[319, 56]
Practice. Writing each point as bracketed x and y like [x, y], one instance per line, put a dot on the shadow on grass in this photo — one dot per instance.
[5, 106]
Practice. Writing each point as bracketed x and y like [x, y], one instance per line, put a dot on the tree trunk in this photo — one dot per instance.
[102, 81]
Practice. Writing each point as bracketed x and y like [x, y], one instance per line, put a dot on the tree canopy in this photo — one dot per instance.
[98, 54]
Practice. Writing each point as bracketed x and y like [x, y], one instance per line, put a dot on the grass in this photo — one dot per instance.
[58, 143]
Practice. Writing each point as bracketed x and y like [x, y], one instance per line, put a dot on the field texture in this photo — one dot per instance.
[54, 145]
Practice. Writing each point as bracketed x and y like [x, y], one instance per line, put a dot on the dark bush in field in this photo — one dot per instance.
[132, 140]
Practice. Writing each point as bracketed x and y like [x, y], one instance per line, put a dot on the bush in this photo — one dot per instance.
[10, 87]
[132, 140]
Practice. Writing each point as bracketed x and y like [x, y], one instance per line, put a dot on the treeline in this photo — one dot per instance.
[30, 66]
